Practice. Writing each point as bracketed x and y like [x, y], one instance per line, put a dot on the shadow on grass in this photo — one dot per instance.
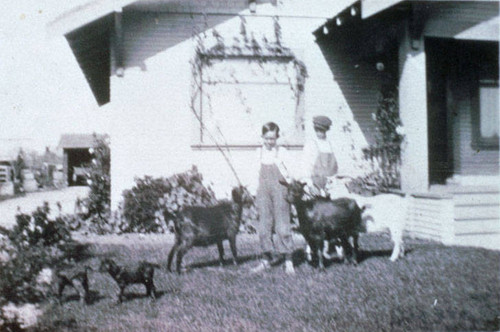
[299, 257]
[58, 325]
[227, 262]
[365, 255]
[93, 297]
[135, 295]
[77, 251]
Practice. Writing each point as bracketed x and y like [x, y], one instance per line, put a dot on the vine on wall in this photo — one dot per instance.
[385, 155]
[242, 46]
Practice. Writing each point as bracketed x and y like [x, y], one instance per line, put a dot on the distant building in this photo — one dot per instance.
[6, 176]
[76, 156]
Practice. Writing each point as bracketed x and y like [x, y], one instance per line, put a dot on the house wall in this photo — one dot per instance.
[457, 20]
[468, 160]
[152, 133]
[474, 20]
[465, 214]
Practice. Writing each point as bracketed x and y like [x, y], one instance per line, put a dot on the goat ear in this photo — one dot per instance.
[283, 183]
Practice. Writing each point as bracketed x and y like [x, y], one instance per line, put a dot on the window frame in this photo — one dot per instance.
[200, 143]
[479, 142]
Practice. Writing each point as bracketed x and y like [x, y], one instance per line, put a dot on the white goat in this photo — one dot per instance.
[382, 212]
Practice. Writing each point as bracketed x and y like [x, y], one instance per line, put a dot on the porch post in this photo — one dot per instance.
[413, 112]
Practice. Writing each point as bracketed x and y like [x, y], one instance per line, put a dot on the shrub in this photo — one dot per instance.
[36, 241]
[385, 155]
[39, 229]
[98, 201]
[153, 201]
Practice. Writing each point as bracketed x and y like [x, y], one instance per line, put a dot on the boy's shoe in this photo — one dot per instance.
[289, 269]
[264, 265]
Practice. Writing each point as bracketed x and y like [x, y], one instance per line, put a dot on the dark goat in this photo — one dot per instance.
[198, 226]
[77, 279]
[323, 219]
[142, 274]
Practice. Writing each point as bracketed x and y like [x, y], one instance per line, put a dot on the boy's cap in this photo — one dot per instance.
[322, 122]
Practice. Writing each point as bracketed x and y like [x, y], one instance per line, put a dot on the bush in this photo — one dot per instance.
[98, 201]
[36, 241]
[39, 229]
[385, 155]
[152, 202]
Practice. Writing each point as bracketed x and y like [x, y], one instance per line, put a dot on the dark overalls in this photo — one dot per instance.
[274, 212]
[324, 167]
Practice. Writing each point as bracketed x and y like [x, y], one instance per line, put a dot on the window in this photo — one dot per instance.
[240, 94]
[485, 121]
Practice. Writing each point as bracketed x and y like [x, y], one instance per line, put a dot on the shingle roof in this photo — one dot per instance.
[78, 141]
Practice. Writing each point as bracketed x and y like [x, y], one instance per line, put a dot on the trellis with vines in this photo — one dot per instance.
[243, 46]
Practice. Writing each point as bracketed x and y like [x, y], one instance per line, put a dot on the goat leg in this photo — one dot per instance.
[150, 289]
[355, 249]
[120, 296]
[232, 244]
[62, 285]
[347, 248]
[220, 246]
[86, 291]
[171, 255]
[319, 253]
[180, 254]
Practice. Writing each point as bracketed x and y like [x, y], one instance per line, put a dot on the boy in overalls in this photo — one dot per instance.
[319, 157]
[274, 210]
[320, 164]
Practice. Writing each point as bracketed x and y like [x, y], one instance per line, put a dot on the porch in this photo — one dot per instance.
[457, 214]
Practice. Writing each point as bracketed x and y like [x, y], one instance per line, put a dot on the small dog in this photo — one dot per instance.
[78, 279]
[142, 274]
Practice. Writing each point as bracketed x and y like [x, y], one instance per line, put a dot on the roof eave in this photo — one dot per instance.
[373, 7]
[84, 14]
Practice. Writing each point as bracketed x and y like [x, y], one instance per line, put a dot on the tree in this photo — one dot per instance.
[99, 180]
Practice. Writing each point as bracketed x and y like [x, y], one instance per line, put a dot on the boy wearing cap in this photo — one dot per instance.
[319, 158]
[320, 164]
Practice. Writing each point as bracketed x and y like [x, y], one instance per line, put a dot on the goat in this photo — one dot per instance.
[77, 279]
[203, 226]
[142, 274]
[381, 212]
[323, 219]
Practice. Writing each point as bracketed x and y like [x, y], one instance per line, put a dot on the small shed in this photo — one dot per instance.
[6, 176]
[77, 154]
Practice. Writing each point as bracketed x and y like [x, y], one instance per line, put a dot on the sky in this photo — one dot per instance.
[43, 92]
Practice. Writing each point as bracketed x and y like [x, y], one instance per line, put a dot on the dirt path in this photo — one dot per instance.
[28, 203]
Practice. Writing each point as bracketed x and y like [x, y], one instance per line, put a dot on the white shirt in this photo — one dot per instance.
[312, 149]
[276, 156]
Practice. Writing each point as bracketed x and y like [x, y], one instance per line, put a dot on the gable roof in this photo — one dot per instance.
[84, 14]
[93, 30]
[78, 141]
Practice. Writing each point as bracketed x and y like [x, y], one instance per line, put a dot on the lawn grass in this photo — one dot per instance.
[434, 288]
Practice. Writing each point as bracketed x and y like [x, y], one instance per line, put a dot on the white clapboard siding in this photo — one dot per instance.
[476, 227]
[429, 217]
[480, 212]
[485, 199]
[477, 216]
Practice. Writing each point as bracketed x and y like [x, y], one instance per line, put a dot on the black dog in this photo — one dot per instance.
[78, 279]
[142, 274]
